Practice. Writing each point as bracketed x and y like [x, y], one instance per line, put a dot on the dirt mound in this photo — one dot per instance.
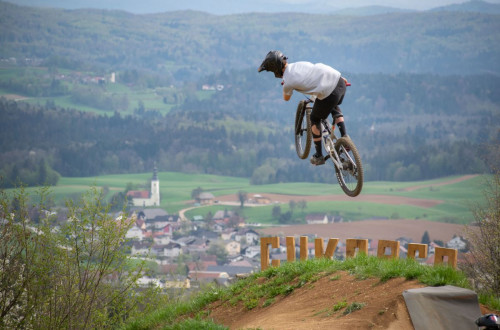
[322, 304]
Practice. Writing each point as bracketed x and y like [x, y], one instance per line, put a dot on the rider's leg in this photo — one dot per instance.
[339, 93]
[317, 158]
[339, 121]
[317, 138]
[320, 110]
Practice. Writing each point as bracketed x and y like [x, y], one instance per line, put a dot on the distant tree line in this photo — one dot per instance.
[29, 169]
[404, 132]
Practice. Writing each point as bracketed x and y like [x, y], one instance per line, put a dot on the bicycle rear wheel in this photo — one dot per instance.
[303, 134]
[350, 177]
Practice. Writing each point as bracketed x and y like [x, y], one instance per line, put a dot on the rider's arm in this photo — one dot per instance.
[287, 91]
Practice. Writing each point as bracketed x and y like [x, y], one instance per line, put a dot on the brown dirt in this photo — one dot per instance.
[460, 179]
[311, 307]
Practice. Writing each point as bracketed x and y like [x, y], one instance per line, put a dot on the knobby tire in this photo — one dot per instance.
[350, 178]
[302, 126]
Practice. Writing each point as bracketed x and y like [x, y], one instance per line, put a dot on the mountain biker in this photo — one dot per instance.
[319, 80]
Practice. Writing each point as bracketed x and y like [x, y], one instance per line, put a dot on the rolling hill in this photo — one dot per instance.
[420, 79]
[225, 7]
[188, 44]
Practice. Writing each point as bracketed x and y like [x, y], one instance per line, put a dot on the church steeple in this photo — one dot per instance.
[155, 188]
[154, 195]
[155, 173]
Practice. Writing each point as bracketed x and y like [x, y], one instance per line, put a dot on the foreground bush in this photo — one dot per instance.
[75, 274]
[483, 262]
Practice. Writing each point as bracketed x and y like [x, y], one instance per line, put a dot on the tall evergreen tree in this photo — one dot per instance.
[425, 238]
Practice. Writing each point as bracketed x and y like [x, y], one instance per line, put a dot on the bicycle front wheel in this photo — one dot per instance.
[303, 134]
[350, 176]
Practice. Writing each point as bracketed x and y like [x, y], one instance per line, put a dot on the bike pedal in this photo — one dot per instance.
[319, 163]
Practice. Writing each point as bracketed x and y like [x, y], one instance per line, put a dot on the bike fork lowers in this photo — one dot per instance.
[329, 145]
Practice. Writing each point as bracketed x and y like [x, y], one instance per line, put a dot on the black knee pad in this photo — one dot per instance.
[318, 126]
[316, 122]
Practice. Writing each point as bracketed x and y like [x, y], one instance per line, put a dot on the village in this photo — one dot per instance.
[190, 253]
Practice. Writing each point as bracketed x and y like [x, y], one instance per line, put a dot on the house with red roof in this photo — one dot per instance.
[146, 198]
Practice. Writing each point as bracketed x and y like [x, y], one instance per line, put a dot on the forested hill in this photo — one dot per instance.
[187, 44]
[407, 127]
[424, 99]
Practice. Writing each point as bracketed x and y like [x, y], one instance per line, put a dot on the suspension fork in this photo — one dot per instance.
[329, 144]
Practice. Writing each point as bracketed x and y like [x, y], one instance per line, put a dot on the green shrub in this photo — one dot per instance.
[74, 275]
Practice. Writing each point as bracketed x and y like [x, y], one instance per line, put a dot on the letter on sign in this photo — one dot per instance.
[264, 251]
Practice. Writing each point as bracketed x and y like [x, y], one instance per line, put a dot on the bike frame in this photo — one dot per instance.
[329, 143]
[329, 139]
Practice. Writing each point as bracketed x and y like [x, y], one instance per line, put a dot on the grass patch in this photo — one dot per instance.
[355, 306]
[195, 324]
[268, 302]
[335, 277]
[340, 305]
[490, 301]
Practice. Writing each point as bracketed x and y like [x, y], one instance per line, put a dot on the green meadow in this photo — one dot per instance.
[152, 99]
[176, 189]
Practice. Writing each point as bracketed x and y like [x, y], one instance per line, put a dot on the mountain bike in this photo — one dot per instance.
[342, 151]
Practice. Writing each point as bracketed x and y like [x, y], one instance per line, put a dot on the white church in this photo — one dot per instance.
[144, 198]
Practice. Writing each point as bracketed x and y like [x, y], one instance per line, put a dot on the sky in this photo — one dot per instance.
[237, 6]
[404, 4]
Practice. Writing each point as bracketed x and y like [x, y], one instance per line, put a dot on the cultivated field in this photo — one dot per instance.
[441, 200]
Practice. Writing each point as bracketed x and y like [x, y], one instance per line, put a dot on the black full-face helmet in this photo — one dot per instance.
[275, 62]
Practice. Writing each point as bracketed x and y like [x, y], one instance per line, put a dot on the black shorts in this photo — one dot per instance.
[330, 104]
